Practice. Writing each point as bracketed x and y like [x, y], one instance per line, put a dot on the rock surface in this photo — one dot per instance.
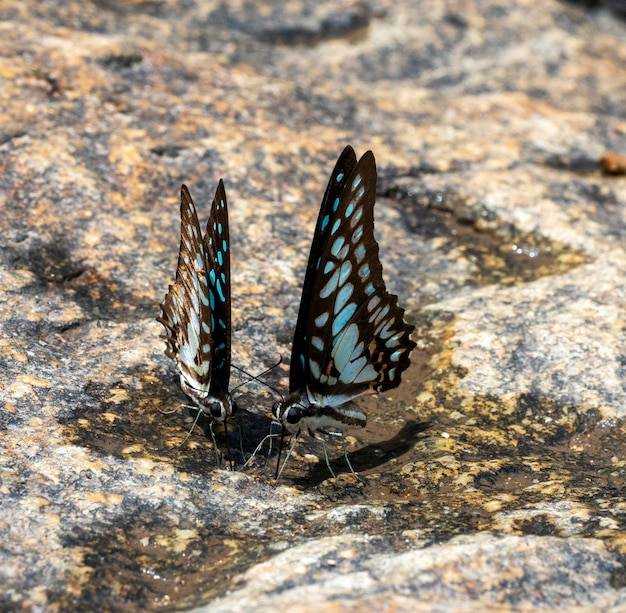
[492, 478]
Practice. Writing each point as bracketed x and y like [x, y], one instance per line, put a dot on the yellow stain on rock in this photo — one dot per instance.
[132, 449]
[104, 498]
[24, 384]
[117, 395]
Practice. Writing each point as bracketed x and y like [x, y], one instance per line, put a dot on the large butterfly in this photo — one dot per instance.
[351, 338]
[196, 309]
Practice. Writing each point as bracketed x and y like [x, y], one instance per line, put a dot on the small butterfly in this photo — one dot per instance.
[351, 338]
[196, 309]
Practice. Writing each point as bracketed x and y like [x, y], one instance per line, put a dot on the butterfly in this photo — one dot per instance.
[196, 309]
[351, 338]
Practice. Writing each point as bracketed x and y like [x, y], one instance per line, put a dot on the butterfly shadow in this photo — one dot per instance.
[369, 457]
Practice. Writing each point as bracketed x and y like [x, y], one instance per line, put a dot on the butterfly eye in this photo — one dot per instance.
[293, 415]
[276, 409]
[216, 409]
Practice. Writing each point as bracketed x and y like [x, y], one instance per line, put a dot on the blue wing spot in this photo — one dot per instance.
[218, 286]
[369, 290]
[382, 314]
[220, 259]
[222, 346]
[221, 204]
[318, 343]
[337, 245]
[360, 193]
[343, 318]
[336, 205]
[319, 261]
[373, 303]
[344, 272]
[302, 359]
[349, 209]
[343, 296]
[212, 322]
[335, 226]
[212, 300]
[395, 356]
[324, 222]
[221, 323]
[360, 252]
[331, 286]
[348, 341]
[356, 182]
[339, 177]
[364, 271]
[321, 320]
[357, 234]
[219, 228]
[315, 369]
[343, 253]
[224, 246]
[357, 215]
[212, 276]
[223, 276]
[328, 267]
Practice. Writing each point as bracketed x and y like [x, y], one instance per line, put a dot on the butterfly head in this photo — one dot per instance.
[221, 407]
[290, 412]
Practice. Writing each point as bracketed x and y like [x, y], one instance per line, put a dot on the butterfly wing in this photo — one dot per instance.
[196, 319]
[338, 179]
[217, 248]
[352, 338]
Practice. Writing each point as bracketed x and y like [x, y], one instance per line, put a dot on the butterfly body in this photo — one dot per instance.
[351, 338]
[301, 413]
[196, 309]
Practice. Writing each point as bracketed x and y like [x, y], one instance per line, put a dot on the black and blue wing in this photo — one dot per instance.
[217, 248]
[336, 186]
[351, 336]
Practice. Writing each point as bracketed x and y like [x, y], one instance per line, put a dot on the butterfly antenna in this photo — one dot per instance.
[257, 378]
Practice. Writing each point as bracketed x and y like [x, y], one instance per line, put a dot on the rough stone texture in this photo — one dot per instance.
[492, 478]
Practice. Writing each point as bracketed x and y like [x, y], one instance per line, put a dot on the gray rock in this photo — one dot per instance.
[493, 477]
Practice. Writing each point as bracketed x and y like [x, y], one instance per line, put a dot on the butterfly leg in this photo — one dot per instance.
[217, 451]
[241, 435]
[229, 456]
[269, 436]
[195, 421]
[345, 455]
[291, 448]
[169, 412]
[326, 457]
